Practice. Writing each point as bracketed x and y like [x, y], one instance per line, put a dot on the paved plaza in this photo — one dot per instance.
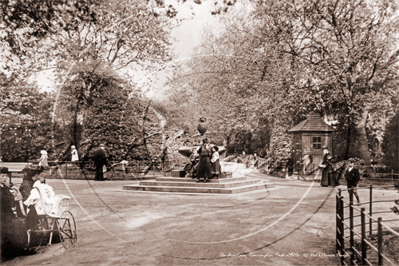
[290, 224]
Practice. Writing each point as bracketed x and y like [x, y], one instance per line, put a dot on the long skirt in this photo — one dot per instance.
[31, 218]
[204, 167]
[99, 172]
[331, 180]
[215, 168]
[324, 179]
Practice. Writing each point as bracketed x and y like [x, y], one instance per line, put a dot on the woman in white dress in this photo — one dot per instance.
[42, 197]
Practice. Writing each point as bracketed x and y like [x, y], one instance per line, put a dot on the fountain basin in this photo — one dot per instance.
[187, 150]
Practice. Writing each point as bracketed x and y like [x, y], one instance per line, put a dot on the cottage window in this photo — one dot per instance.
[297, 140]
[316, 143]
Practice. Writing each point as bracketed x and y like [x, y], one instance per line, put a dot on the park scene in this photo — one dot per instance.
[199, 132]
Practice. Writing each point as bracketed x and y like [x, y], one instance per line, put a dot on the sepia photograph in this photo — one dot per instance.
[199, 132]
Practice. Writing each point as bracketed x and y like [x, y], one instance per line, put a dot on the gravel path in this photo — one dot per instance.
[291, 224]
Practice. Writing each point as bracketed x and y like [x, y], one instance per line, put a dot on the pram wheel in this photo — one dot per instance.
[67, 229]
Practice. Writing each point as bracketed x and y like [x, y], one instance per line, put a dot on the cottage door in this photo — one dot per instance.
[317, 153]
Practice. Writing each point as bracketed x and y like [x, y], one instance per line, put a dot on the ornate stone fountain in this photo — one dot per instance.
[202, 128]
[178, 183]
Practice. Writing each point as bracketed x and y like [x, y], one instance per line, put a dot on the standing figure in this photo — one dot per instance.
[204, 165]
[352, 177]
[74, 153]
[100, 160]
[124, 163]
[215, 163]
[256, 162]
[327, 178]
[306, 161]
[43, 159]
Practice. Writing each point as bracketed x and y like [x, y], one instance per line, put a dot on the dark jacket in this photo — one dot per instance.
[100, 158]
[352, 177]
[327, 163]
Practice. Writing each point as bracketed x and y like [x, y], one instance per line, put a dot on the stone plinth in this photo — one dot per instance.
[190, 185]
[178, 173]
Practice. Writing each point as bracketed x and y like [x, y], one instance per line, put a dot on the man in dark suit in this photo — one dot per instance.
[100, 159]
[352, 177]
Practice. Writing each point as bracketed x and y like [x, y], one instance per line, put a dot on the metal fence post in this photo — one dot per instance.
[380, 262]
[391, 175]
[341, 214]
[371, 212]
[337, 225]
[351, 235]
[363, 225]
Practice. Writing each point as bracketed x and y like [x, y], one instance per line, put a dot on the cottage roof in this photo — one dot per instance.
[313, 122]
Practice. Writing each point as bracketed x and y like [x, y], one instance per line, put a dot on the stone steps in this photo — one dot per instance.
[199, 184]
[212, 190]
[191, 180]
[189, 185]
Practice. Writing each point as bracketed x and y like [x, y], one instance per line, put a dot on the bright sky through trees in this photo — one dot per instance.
[186, 36]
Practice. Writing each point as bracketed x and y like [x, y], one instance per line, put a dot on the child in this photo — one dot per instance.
[74, 153]
[43, 159]
[215, 164]
[352, 177]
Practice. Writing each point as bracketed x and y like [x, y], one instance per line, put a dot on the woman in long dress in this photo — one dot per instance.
[327, 178]
[204, 165]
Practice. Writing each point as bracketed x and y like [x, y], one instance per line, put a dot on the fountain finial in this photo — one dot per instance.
[202, 126]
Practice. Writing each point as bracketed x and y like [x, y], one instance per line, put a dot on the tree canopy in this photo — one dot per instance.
[281, 59]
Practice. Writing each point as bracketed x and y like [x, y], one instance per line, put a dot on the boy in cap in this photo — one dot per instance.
[352, 177]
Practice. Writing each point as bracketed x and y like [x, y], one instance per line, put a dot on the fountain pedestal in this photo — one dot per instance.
[178, 173]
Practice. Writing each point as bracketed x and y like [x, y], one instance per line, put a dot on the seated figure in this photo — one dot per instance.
[42, 197]
[190, 168]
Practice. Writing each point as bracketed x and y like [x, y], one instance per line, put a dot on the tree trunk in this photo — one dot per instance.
[364, 152]
[348, 141]
[358, 146]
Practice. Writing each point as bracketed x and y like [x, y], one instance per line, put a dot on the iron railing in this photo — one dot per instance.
[115, 170]
[365, 245]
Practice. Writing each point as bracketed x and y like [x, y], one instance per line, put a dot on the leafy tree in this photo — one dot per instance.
[347, 49]
[89, 44]
[25, 120]
[390, 144]
[285, 58]
[231, 87]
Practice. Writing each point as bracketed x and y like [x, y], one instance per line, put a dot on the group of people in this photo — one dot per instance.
[329, 178]
[99, 158]
[205, 162]
[43, 161]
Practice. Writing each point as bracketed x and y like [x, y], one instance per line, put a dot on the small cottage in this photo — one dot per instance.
[310, 136]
